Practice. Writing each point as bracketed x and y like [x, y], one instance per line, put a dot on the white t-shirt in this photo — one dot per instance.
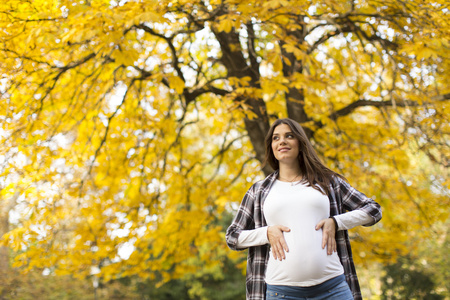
[284, 191]
[300, 208]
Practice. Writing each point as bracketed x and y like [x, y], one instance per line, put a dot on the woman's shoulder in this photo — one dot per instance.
[337, 183]
[265, 183]
[337, 179]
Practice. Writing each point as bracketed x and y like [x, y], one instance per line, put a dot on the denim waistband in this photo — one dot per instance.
[309, 291]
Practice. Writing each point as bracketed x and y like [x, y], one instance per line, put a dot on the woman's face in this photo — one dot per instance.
[285, 145]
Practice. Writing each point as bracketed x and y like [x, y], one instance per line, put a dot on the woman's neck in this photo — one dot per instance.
[289, 173]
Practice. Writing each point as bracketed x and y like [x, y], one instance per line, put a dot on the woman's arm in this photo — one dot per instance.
[352, 219]
[253, 237]
[242, 221]
[354, 200]
[272, 235]
[242, 233]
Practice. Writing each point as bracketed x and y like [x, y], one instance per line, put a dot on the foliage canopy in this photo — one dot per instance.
[137, 125]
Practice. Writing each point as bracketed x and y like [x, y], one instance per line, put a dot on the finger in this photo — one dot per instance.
[281, 254]
[284, 245]
[329, 249]
[285, 229]
[320, 224]
[330, 246]
[279, 251]
[324, 239]
[274, 253]
[333, 244]
[277, 255]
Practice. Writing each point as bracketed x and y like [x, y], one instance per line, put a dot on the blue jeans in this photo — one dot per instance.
[338, 292]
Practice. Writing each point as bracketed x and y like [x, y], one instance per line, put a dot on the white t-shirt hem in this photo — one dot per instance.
[306, 283]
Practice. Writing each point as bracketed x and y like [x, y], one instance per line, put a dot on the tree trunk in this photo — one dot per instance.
[4, 228]
[257, 129]
[295, 98]
[237, 66]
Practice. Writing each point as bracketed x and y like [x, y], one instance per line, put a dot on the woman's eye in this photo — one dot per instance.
[290, 136]
[275, 138]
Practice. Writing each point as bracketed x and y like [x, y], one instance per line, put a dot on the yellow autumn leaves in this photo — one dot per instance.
[125, 134]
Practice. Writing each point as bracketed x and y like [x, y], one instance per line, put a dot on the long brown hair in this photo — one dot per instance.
[313, 170]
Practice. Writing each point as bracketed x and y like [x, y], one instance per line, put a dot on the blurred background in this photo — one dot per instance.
[131, 130]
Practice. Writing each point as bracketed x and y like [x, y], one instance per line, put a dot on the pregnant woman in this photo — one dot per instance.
[295, 222]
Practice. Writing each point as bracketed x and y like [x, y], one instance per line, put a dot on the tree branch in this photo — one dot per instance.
[192, 95]
[253, 57]
[363, 102]
[175, 62]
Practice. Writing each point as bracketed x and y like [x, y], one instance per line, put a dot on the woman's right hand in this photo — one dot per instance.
[277, 241]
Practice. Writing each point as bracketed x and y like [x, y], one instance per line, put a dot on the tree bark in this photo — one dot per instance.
[295, 98]
[236, 64]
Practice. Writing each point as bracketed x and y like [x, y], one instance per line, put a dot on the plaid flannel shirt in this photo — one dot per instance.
[250, 216]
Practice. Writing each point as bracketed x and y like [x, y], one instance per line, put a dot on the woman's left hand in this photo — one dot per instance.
[328, 235]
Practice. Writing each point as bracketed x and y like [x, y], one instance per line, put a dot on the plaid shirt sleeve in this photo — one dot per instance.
[250, 216]
[243, 219]
[344, 198]
[352, 199]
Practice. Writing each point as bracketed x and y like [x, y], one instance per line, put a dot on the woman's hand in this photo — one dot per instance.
[277, 241]
[328, 234]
